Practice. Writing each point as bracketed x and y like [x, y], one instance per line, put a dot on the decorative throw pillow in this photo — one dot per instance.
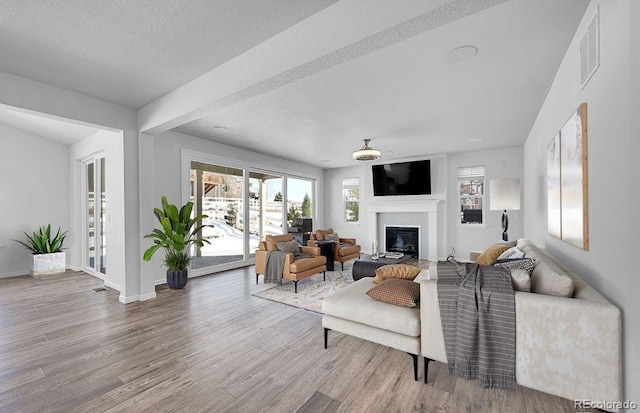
[332, 237]
[396, 291]
[289, 246]
[491, 254]
[520, 263]
[512, 252]
[520, 279]
[510, 244]
[406, 272]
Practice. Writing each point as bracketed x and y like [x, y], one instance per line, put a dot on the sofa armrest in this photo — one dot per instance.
[432, 339]
[473, 255]
[568, 347]
[261, 259]
[311, 250]
[348, 240]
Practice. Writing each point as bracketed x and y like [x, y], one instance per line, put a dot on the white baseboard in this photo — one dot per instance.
[74, 268]
[129, 299]
[111, 285]
[150, 296]
[162, 281]
[13, 274]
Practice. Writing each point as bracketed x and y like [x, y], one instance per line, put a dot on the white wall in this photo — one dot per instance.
[498, 163]
[35, 192]
[163, 176]
[612, 113]
[361, 231]
[39, 97]
[110, 144]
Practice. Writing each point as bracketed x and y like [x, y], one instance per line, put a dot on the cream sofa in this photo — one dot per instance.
[569, 347]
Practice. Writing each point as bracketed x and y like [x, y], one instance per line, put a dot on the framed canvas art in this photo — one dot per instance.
[554, 211]
[574, 220]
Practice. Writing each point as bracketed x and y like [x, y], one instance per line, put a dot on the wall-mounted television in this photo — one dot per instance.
[403, 178]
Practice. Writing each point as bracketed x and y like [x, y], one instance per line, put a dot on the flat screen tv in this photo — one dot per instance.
[404, 178]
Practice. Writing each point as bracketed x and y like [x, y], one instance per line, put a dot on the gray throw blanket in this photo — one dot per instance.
[477, 309]
[274, 265]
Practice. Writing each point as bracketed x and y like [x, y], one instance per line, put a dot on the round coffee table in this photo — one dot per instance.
[366, 266]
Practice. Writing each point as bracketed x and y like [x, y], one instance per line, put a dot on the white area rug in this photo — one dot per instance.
[311, 290]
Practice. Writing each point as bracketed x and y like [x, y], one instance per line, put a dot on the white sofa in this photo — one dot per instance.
[569, 347]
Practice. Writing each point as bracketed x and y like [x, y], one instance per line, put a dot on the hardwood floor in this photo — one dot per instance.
[211, 347]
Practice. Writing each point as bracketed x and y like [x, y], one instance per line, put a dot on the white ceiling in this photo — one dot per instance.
[132, 52]
[56, 129]
[391, 83]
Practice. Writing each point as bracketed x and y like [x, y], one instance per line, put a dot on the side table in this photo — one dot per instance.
[327, 248]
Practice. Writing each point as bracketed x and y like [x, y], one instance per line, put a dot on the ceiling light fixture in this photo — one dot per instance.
[366, 153]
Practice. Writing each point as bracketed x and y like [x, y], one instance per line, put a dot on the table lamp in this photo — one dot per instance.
[504, 194]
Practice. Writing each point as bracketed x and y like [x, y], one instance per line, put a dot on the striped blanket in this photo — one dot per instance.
[477, 308]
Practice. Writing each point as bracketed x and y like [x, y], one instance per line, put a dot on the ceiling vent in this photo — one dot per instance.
[590, 50]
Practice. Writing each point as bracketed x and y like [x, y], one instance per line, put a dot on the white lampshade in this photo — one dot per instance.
[504, 194]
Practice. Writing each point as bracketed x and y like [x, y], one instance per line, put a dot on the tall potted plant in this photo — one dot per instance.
[177, 234]
[47, 256]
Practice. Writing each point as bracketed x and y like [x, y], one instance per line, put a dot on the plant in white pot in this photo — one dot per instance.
[177, 234]
[47, 256]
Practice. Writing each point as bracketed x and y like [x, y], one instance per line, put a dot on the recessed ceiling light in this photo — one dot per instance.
[476, 140]
[222, 128]
[461, 54]
[324, 160]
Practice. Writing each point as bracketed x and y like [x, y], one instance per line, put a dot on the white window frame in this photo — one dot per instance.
[347, 184]
[467, 173]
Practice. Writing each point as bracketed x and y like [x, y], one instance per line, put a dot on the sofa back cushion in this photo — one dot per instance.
[322, 232]
[272, 240]
[547, 276]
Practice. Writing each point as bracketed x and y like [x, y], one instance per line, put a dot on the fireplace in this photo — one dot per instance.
[403, 239]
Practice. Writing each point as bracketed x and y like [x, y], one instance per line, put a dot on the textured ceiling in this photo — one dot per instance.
[55, 129]
[397, 88]
[312, 76]
[132, 52]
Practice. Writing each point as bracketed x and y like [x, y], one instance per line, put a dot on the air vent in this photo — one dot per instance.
[95, 290]
[590, 50]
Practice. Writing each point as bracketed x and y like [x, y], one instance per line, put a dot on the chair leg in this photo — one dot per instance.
[415, 365]
[295, 286]
[342, 263]
[324, 276]
[326, 337]
[256, 278]
[426, 368]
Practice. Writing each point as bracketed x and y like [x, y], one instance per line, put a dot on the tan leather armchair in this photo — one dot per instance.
[294, 270]
[345, 250]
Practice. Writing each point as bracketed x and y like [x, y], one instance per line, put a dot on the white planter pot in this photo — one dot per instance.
[47, 264]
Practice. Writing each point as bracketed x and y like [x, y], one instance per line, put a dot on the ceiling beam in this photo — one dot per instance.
[340, 33]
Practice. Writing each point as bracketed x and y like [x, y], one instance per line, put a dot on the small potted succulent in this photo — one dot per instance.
[177, 234]
[47, 256]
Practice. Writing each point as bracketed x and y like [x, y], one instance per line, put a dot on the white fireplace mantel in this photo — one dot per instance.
[430, 207]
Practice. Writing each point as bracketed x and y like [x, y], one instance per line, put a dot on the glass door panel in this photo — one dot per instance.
[265, 208]
[217, 191]
[96, 206]
[91, 216]
[300, 208]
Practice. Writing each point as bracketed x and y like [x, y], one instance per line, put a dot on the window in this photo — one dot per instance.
[471, 187]
[351, 197]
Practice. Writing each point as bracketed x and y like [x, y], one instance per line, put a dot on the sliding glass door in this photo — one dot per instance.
[244, 205]
[95, 212]
[265, 207]
[217, 191]
[300, 208]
